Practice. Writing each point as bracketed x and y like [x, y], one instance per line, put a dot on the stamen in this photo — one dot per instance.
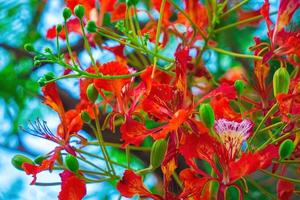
[38, 128]
[233, 134]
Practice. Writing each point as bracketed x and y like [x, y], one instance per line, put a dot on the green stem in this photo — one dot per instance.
[95, 156]
[286, 135]
[161, 12]
[230, 53]
[86, 43]
[269, 113]
[120, 145]
[260, 188]
[271, 126]
[47, 184]
[296, 162]
[234, 8]
[280, 177]
[101, 142]
[69, 46]
[252, 19]
[177, 179]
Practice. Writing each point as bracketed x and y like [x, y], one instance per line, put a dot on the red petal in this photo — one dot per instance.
[72, 188]
[193, 185]
[131, 184]
[33, 170]
[285, 12]
[161, 102]
[250, 162]
[112, 85]
[133, 132]
[118, 13]
[222, 109]
[285, 190]
[73, 25]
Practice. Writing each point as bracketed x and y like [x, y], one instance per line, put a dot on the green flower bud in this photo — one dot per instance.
[48, 50]
[281, 81]
[49, 76]
[39, 159]
[42, 82]
[91, 27]
[92, 93]
[286, 149]
[239, 86]
[72, 163]
[85, 117]
[58, 28]
[131, 2]
[67, 13]
[37, 63]
[29, 47]
[296, 58]
[79, 11]
[158, 152]
[207, 115]
[18, 160]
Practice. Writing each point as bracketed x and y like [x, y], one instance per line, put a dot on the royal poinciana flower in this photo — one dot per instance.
[70, 124]
[225, 149]
[283, 42]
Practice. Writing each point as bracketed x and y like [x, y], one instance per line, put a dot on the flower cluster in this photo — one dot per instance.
[207, 135]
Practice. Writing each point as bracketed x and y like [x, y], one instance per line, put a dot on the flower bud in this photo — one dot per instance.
[72, 163]
[29, 47]
[18, 160]
[207, 115]
[42, 82]
[281, 81]
[79, 11]
[91, 27]
[58, 28]
[49, 76]
[131, 2]
[37, 63]
[85, 117]
[48, 50]
[158, 152]
[39, 159]
[286, 149]
[92, 93]
[67, 13]
[239, 86]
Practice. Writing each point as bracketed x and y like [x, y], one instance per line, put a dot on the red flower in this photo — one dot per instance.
[226, 149]
[71, 123]
[72, 188]
[282, 42]
[132, 184]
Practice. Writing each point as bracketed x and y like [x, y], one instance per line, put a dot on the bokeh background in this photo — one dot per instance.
[26, 21]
